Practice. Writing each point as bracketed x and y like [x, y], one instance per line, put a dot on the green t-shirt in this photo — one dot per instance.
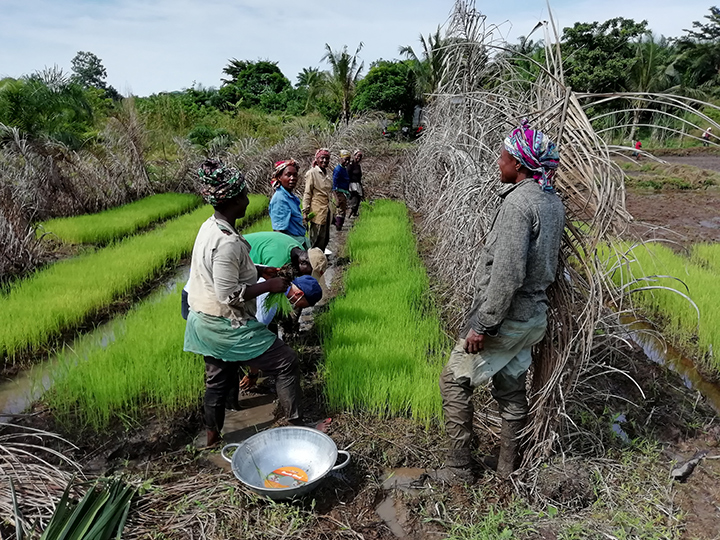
[271, 248]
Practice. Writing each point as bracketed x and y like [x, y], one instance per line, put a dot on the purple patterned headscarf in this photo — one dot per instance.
[536, 152]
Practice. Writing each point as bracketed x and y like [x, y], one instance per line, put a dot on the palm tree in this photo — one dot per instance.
[313, 81]
[430, 65]
[648, 73]
[344, 76]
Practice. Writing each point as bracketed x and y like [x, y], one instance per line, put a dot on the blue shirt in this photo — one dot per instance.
[285, 213]
[341, 179]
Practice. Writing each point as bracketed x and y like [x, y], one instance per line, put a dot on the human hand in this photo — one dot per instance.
[249, 381]
[474, 342]
[268, 272]
[278, 284]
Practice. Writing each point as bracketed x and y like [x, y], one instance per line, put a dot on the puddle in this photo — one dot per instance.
[660, 352]
[407, 480]
[388, 513]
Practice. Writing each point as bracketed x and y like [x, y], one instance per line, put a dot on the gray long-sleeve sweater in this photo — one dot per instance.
[519, 259]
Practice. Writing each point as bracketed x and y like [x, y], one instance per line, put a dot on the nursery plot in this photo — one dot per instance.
[657, 266]
[384, 345]
[62, 296]
[122, 221]
[143, 367]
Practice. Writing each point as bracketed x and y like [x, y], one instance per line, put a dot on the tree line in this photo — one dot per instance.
[617, 55]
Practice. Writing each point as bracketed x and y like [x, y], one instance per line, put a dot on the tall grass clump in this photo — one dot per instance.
[143, 367]
[682, 296]
[707, 255]
[384, 345]
[115, 223]
[62, 296]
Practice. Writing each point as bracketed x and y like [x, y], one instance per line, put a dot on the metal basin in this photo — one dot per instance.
[284, 462]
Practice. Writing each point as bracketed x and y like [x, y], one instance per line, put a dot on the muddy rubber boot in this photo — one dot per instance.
[457, 470]
[213, 438]
[509, 458]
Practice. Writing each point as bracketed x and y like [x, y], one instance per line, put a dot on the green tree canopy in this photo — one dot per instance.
[89, 72]
[389, 87]
[346, 70]
[598, 56]
[251, 84]
[429, 66]
[47, 105]
[698, 61]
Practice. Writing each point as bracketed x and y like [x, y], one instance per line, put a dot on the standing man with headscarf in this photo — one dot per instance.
[316, 200]
[508, 316]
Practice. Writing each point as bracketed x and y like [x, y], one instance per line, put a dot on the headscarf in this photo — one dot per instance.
[344, 153]
[356, 152]
[310, 287]
[320, 153]
[219, 183]
[280, 166]
[535, 151]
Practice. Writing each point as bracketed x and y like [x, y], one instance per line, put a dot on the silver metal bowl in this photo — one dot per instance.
[284, 462]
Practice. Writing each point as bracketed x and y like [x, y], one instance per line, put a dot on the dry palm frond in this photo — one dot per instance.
[39, 472]
[453, 182]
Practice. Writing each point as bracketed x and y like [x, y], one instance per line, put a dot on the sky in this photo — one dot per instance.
[151, 46]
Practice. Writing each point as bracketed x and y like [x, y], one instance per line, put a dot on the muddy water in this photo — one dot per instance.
[660, 352]
[18, 393]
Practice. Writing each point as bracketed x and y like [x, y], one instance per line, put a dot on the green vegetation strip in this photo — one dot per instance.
[61, 297]
[384, 345]
[144, 367]
[122, 221]
[670, 299]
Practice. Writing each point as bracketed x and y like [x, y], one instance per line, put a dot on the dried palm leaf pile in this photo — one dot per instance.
[453, 184]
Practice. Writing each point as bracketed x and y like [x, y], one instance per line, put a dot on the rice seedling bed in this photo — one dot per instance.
[384, 344]
[62, 296]
[143, 367]
[115, 223]
[657, 266]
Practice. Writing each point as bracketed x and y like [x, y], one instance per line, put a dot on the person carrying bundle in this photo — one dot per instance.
[222, 289]
[356, 188]
[508, 315]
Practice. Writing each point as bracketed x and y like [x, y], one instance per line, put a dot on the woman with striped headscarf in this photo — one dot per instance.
[284, 209]
[508, 317]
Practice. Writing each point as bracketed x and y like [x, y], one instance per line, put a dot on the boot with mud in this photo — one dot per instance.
[458, 468]
[509, 458]
[213, 438]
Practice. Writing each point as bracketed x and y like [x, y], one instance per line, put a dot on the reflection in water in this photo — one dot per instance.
[18, 393]
[660, 352]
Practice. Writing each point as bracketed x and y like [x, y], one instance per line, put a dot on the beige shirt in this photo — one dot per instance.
[220, 271]
[318, 187]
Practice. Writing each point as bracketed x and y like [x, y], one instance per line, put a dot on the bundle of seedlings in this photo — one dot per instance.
[279, 301]
[453, 183]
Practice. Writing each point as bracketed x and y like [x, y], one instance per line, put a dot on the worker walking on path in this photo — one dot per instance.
[316, 200]
[508, 315]
[356, 187]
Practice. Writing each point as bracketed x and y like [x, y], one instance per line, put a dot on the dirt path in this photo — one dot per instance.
[704, 161]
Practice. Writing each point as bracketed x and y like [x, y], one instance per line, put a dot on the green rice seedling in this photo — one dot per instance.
[62, 296]
[384, 345]
[707, 255]
[683, 294]
[142, 367]
[261, 225]
[119, 222]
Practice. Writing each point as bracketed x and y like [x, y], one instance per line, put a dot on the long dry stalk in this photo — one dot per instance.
[453, 181]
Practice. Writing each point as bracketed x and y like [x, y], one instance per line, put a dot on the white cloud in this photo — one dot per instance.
[151, 46]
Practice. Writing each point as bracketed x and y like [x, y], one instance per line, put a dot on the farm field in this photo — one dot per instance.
[119, 222]
[60, 297]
